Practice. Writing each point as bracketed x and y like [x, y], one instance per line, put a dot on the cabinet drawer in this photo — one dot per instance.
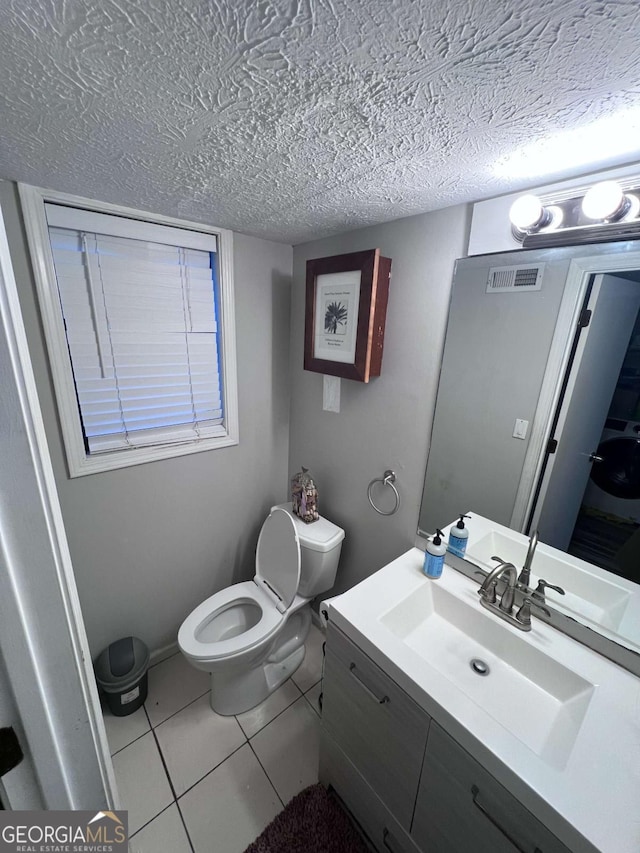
[375, 723]
[460, 806]
[375, 820]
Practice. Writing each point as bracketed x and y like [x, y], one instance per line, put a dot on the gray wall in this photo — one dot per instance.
[387, 422]
[150, 542]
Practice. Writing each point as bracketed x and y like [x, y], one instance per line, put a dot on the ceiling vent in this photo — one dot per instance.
[510, 279]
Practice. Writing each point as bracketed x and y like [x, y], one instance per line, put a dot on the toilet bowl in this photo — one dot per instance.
[250, 636]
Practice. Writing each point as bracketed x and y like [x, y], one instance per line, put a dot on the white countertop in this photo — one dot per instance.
[595, 793]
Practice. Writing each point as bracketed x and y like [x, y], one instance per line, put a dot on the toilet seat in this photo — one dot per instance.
[278, 558]
[216, 604]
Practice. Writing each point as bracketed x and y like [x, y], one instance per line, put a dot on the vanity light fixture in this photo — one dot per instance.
[607, 211]
[528, 214]
[608, 202]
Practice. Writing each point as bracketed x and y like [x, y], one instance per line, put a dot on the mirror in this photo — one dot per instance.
[534, 392]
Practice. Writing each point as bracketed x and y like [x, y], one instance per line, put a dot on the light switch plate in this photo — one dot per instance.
[520, 429]
[331, 393]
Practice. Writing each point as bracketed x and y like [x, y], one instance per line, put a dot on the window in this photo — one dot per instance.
[138, 317]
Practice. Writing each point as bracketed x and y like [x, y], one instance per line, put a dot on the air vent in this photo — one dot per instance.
[510, 279]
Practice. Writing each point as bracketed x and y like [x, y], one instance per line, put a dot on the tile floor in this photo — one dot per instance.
[196, 782]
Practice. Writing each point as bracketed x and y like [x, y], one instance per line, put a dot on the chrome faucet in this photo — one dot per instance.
[487, 591]
[488, 597]
[524, 577]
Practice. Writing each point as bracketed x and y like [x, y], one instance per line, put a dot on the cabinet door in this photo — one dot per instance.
[373, 817]
[461, 807]
[380, 729]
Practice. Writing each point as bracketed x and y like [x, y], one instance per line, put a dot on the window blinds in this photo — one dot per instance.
[142, 331]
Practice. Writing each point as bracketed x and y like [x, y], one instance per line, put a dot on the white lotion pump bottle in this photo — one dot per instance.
[458, 537]
[434, 555]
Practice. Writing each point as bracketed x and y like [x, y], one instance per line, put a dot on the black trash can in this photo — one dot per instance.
[121, 673]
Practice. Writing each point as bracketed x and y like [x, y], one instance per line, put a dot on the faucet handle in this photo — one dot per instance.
[538, 593]
[488, 593]
[499, 559]
[524, 613]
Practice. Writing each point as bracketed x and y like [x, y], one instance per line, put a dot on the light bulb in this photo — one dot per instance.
[605, 200]
[527, 212]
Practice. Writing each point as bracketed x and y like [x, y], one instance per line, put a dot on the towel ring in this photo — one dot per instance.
[388, 479]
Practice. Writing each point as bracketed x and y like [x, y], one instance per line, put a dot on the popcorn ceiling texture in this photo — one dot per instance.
[296, 119]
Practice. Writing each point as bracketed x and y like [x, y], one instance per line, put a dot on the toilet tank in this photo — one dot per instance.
[320, 546]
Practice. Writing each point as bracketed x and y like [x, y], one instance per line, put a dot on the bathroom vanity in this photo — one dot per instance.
[445, 729]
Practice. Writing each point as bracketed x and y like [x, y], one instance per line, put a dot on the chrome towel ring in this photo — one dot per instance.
[388, 479]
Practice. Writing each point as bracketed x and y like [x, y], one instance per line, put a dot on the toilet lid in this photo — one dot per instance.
[278, 556]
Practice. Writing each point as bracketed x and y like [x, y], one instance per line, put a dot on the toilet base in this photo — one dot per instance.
[236, 692]
[239, 688]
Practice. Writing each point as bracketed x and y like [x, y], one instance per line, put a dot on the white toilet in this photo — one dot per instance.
[250, 636]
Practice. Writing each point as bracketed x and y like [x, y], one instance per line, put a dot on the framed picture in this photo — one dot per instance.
[346, 309]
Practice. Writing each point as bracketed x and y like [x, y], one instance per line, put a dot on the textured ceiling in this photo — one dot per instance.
[295, 119]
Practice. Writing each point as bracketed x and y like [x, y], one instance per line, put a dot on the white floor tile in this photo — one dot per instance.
[142, 782]
[195, 740]
[122, 731]
[257, 718]
[313, 696]
[288, 749]
[173, 684]
[310, 670]
[165, 834]
[231, 806]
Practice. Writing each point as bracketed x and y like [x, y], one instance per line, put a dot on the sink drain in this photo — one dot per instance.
[479, 666]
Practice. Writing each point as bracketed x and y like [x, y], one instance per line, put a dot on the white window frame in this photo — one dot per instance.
[79, 462]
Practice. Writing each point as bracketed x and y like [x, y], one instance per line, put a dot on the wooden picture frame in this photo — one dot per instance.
[346, 310]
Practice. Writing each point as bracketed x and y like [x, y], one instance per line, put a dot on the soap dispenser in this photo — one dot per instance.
[434, 556]
[458, 537]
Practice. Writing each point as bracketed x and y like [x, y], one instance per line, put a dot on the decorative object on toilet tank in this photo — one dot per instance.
[345, 314]
[304, 496]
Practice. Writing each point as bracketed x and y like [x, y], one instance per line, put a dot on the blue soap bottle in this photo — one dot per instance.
[458, 537]
[434, 556]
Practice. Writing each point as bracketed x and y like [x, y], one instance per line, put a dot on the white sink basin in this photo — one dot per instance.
[593, 598]
[537, 699]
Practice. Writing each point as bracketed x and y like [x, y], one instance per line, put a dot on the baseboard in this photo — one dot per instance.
[162, 654]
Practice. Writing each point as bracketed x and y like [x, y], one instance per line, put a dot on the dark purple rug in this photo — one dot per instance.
[312, 822]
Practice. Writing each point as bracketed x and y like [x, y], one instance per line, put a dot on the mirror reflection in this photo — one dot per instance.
[537, 422]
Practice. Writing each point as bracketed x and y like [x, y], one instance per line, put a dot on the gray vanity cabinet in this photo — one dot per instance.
[375, 723]
[412, 788]
[460, 806]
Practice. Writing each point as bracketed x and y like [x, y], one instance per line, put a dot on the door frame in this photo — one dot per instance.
[43, 643]
[559, 360]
